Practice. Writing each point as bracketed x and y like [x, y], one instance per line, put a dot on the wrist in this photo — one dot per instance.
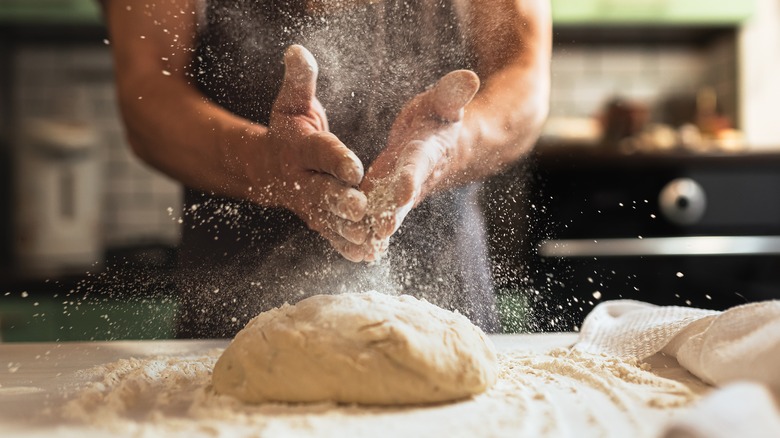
[250, 162]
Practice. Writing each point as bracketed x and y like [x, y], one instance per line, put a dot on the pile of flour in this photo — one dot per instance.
[557, 393]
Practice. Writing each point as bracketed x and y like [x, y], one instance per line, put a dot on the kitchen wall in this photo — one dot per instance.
[587, 75]
[759, 69]
[76, 82]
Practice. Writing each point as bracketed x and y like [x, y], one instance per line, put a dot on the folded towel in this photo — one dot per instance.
[737, 410]
[741, 343]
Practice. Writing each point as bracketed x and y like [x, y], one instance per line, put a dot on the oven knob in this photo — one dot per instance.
[682, 201]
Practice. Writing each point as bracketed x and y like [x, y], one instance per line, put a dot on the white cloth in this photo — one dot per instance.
[741, 344]
[737, 410]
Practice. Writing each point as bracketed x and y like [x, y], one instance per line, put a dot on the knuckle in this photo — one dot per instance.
[322, 138]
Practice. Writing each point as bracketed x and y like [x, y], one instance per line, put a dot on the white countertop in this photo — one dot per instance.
[37, 379]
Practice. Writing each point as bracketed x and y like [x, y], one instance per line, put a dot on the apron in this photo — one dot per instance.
[238, 259]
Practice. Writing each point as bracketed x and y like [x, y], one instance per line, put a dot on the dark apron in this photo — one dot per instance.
[239, 259]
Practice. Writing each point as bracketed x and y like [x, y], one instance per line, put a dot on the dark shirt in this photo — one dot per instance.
[239, 259]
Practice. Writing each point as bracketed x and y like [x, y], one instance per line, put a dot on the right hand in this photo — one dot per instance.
[316, 175]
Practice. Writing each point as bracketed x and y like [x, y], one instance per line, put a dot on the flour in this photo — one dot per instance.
[380, 207]
[557, 393]
[141, 389]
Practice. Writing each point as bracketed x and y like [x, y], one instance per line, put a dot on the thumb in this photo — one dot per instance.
[452, 93]
[300, 80]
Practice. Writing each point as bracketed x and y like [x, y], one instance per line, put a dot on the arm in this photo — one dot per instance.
[169, 123]
[513, 43]
[451, 134]
[293, 163]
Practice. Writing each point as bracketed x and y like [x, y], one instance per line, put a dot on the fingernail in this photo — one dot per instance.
[350, 173]
[352, 256]
[354, 233]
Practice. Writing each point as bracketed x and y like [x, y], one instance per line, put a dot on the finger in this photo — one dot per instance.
[416, 167]
[300, 81]
[419, 163]
[350, 251]
[398, 193]
[379, 172]
[379, 248]
[452, 93]
[333, 196]
[319, 109]
[355, 232]
[324, 152]
[386, 223]
[347, 203]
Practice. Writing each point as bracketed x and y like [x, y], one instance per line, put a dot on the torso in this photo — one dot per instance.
[373, 57]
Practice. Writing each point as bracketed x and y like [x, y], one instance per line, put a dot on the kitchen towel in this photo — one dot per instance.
[738, 348]
[737, 410]
[741, 343]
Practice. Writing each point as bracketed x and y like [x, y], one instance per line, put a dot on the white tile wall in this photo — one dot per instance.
[759, 70]
[586, 77]
[136, 198]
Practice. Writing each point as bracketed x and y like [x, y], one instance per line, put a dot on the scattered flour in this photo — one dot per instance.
[558, 393]
[381, 207]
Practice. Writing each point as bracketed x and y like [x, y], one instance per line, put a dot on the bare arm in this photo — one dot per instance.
[513, 41]
[293, 163]
[169, 123]
[452, 133]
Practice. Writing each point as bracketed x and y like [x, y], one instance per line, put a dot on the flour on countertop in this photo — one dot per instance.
[558, 393]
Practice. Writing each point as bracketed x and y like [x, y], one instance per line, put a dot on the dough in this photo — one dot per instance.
[365, 348]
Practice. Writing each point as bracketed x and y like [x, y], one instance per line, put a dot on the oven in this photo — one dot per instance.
[684, 229]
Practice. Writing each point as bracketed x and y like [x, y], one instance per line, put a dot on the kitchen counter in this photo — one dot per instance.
[532, 397]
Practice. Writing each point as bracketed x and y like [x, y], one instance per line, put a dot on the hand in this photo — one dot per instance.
[422, 139]
[315, 175]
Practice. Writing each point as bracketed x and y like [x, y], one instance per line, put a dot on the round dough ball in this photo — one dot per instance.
[365, 348]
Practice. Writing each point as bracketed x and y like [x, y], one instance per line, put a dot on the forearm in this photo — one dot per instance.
[502, 122]
[170, 124]
[174, 128]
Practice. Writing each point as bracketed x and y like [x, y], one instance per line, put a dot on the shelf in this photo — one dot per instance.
[640, 34]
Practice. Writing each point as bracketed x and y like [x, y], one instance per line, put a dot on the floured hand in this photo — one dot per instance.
[316, 174]
[422, 139]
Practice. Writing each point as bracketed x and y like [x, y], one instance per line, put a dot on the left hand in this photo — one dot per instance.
[422, 140]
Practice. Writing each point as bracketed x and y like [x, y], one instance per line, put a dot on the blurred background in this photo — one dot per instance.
[657, 176]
